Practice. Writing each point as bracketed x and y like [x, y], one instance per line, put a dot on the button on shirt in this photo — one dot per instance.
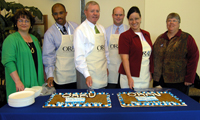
[114, 28]
[52, 41]
[84, 44]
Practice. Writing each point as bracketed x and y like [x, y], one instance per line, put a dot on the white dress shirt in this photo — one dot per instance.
[84, 44]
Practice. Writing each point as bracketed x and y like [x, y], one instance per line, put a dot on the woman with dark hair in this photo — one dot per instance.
[176, 57]
[21, 55]
[135, 49]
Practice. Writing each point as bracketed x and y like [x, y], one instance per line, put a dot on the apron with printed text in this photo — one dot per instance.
[144, 79]
[115, 59]
[65, 71]
[97, 63]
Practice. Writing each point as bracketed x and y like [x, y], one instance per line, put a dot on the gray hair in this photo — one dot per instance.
[174, 15]
[92, 3]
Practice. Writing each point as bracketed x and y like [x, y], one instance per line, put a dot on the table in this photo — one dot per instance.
[36, 112]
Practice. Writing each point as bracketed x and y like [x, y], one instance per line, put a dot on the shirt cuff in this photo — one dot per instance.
[86, 74]
[49, 72]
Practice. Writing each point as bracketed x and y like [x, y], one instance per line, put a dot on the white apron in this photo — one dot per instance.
[143, 80]
[115, 59]
[65, 71]
[97, 62]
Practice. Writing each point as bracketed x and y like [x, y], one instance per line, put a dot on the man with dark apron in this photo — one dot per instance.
[91, 52]
[112, 34]
[58, 51]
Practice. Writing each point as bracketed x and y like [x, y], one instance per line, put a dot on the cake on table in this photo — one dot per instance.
[79, 100]
[149, 99]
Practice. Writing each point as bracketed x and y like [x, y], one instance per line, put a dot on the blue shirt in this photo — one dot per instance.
[52, 41]
[114, 28]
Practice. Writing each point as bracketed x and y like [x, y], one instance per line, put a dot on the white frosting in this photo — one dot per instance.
[78, 100]
[143, 94]
[148, 99]
[83, 95]
[72, 99]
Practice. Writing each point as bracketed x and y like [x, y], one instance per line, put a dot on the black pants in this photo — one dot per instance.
[65, 86]
[114, 86]
[179, 86]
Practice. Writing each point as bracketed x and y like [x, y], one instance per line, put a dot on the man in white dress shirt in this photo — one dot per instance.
[112, 35]
[91, 51]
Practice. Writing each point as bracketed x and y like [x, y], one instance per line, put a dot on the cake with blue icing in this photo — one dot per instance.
[149, 99]
[79, 100]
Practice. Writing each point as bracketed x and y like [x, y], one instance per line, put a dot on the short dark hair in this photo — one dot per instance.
[132, 10]
[57, 4]
[23, 13]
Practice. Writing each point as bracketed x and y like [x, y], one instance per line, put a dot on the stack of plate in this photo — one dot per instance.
[36, 89]
[21, 99]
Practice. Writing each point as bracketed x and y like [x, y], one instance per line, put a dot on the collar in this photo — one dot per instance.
[61, 26]
[115, 26]
[90, 24]
[178, 34]
[133, 33]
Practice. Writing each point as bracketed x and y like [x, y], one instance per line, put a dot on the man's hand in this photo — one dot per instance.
[50, 82]
[89, 81]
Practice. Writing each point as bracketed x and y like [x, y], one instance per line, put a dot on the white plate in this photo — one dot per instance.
[21, 95]
[21, 99]
[22, 103]
[38, 90]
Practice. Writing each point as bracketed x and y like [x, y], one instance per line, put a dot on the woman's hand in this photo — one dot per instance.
[125, 62]
[150, 77]
[19, 86]
[131, 83]
[187, 83]
[18, 83]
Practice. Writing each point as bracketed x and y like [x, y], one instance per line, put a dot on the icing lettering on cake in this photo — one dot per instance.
[79, 100]
[148, 99]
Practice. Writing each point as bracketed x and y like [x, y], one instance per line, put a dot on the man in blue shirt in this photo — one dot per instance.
[58, 51]
[112, 35]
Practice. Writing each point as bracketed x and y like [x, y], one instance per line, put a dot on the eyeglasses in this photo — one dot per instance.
[21, 21]
[172, 20]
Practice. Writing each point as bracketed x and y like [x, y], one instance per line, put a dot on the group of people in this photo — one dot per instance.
[89, 56]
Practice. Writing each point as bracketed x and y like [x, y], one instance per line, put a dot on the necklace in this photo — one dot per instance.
[31, 47]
